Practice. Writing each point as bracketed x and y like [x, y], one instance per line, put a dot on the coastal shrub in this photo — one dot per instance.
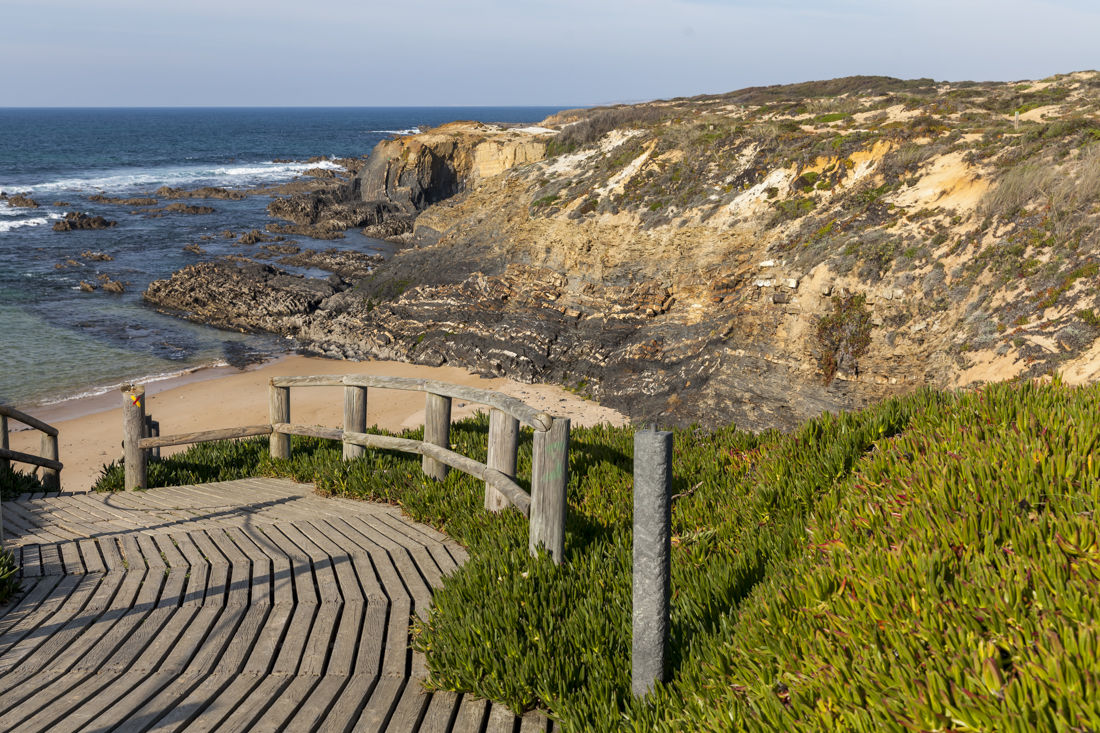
[844, 335]
[14, 482]
[599, 123]
[929, 563]
[9, 582]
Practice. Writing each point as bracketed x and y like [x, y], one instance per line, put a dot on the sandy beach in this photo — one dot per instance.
[90, 429]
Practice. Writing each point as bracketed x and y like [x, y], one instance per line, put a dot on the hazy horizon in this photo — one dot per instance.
[488, 53]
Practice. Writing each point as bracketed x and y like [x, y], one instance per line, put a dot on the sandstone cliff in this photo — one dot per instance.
[407, 174]
[755, 257]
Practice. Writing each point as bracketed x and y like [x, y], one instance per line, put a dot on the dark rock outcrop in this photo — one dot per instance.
[22, 202]
[249, 297]
[206, 192]
[100, 199]
[304, 231]
[77, 220]
[348, 264]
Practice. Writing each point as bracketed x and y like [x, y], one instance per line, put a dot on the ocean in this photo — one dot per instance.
[58, 342]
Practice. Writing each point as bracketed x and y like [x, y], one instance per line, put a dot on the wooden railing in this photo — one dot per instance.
[544, 507]
[51, 467]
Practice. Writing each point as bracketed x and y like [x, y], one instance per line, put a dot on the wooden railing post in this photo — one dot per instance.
[4, 462]
[51, 477]
[133, 428]
[503, 445]
[355, 419]
[437, 431]
[154, 432]
[549, 484]
[280, 413]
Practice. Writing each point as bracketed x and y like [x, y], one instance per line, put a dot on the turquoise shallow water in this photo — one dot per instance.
[58, 342]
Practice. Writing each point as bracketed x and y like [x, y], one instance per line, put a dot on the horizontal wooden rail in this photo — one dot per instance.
[27, 420]
[311, 431]
[529, 416]
[13, 455]
[204, 437]
[519, 498]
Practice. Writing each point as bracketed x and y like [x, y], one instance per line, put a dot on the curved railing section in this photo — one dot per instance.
[544, 507]
[48, 461]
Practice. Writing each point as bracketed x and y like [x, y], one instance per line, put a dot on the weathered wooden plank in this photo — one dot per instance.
[441, 713]
[93, 562]
[301, 570]
[38, 613]
[267, 644]
[297, 634]
[501, 719]
[241, 643]
[471, 715]
[410, 709]
[315, 653]
[255, 704]
[240, 568]
[69, 609]
[341, 661]
[503, 451]
[205, 436]
[380, 706]
[534, 721]
[282, 576]
[261, 567]
[51, 560]
[328, 590]
[315, 707]
[429, 572]
[342, 565]
[290, 699]
[348, 705]
[169, 551]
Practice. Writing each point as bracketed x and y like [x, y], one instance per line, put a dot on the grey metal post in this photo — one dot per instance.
[652, 559]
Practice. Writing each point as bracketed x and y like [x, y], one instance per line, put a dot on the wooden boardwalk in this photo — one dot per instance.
[250, 605]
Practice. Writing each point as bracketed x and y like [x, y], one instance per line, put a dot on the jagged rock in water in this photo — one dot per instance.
[22, 202]
[77, 220]
[206, 192]
[100, 199]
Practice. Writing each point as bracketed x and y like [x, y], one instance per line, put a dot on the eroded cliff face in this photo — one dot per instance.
[407, 174]
[686, 261]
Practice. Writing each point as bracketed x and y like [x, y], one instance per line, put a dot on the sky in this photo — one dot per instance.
[120, 53]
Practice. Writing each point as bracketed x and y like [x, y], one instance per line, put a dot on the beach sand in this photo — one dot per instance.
[90, 429]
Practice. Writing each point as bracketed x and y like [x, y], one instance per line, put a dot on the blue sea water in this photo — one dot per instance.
[57, 342]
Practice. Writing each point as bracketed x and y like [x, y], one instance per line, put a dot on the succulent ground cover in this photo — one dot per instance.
[929, 563]
[14, 482]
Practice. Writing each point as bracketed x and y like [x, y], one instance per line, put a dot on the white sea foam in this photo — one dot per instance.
[7, 226]
[156, 377]
[149, 179]
[410, 131]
